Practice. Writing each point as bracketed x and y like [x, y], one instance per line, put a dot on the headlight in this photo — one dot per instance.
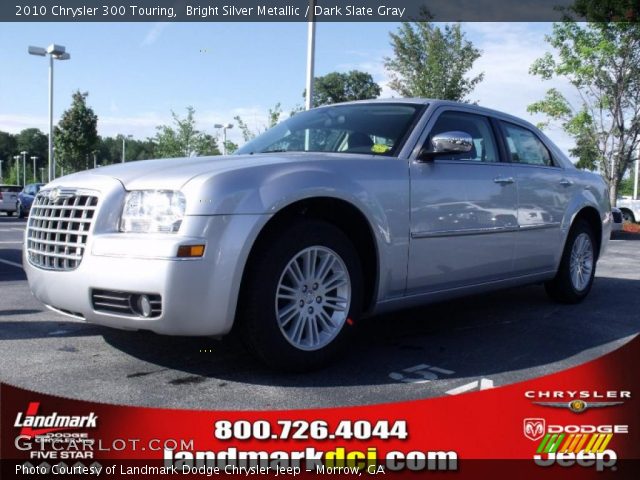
[150, 211]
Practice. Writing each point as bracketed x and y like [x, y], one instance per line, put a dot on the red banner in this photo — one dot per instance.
[577, 423]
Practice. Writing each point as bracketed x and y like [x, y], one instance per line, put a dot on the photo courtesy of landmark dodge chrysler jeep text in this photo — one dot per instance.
[338, 212]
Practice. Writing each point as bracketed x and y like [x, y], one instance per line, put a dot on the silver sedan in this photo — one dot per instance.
[335, 214]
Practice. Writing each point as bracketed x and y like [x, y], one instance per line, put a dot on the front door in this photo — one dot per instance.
[463, 210]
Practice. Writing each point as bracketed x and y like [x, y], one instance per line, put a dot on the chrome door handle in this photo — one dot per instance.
[566, 183]
[503, 180]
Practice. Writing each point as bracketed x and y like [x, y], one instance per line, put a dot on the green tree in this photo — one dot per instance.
[248, 134]
[336, 87]
[183, 139]
[8, 148]
[602, 62]
[76, 136]
[36, 143]
[432, 62]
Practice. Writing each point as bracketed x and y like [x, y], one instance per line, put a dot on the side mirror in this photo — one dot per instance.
[447, 142]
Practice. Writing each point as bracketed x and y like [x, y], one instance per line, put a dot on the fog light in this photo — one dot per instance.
[144, 305]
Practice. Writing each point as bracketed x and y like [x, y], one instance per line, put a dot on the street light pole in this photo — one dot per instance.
[224, 135]
[311, 50]
[34, 158]
[1, 169]
[55, 52]
[123, 145]
[24, 167]
[42, 174]
[635, 182]
[17, 159]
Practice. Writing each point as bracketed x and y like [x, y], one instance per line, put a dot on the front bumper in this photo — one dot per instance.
[199, 295]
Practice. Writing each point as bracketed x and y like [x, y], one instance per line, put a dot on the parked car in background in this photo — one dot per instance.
[618, 220]
[630, 209]
[9, 198]
[25, 198]
[337, 213]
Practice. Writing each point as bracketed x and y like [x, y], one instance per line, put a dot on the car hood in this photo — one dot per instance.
[174, 173]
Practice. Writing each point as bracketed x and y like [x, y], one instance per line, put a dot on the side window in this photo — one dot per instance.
[484, 145]
[525, 147]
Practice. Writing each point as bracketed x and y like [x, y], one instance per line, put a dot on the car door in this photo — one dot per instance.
[544, 192]
[463, 209]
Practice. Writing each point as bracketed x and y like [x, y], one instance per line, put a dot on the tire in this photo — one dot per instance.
[627, 216]
[281, 319]
[19, 210]
[577, 269]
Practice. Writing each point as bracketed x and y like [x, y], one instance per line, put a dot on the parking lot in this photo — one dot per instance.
[448, 348]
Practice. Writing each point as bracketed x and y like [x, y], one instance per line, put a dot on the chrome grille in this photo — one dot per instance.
[58, 228]
[124, 303]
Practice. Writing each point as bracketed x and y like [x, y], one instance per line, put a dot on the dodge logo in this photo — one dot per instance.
[534, 428]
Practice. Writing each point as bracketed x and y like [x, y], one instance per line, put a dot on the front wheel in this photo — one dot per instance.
[19, 210]
[577, 269]
[301, 296]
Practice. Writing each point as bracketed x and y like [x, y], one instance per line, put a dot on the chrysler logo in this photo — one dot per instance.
[534, 428]
[56, 194]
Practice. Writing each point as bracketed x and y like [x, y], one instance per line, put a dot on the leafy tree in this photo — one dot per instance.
[432, 62]
[248, 134]
[36, 143]
[76, 135]
[602, 62]
[183, 139]
[8, 148]
[336, 87]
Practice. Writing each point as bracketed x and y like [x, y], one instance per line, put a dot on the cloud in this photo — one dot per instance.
[152, 35]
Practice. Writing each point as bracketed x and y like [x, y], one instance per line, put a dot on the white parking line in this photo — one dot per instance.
[13, 264]
[14, 243]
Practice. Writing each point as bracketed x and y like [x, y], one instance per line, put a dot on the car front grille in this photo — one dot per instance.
[125, 303]
[58, 228]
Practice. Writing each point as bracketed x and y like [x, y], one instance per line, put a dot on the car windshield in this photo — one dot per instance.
[10, 189]
[371, 128]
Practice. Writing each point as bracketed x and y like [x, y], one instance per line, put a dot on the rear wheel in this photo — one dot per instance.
[627, 216]
[301, 296]
[577, 269]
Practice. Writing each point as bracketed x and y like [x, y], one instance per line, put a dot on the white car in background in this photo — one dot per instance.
[9, 198]
[618, 220]
[630, 209]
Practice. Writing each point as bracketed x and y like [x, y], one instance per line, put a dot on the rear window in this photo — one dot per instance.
[10, 189]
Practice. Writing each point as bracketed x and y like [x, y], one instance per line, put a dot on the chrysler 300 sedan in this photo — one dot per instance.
[335, 214]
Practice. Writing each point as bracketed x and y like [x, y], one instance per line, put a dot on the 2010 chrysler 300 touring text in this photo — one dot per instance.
[336, 213]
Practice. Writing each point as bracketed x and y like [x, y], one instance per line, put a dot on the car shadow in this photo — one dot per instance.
[504, 331]
[15, 330]
[625, 236]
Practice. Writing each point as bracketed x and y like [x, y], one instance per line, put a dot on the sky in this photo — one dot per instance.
[137, 73]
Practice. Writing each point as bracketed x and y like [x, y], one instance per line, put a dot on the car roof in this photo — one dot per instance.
[442, 103]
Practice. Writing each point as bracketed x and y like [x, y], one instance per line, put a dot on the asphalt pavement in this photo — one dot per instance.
[444, 349]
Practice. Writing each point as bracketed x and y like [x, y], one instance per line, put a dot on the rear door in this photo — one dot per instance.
[463, 209]
[544, 192]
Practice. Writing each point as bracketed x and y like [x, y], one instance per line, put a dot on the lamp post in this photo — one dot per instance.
[224, 135]
[41, 174]
[1, 169]
[123, 145]
[34, 158]
[17, 159]
[55, 52]
[24, 167]
[311, 53]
